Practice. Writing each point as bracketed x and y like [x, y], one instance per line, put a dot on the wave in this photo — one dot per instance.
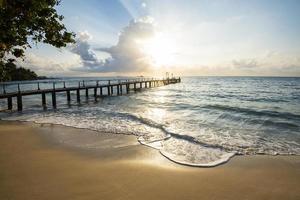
[180, 148]
[248, 111]
[208, 155]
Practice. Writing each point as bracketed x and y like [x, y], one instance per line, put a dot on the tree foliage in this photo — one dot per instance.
[13, 73]
[23, 22]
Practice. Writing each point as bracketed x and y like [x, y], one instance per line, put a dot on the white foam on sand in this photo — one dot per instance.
[188, 153]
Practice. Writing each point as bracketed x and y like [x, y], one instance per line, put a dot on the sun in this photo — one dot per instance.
[160, 49]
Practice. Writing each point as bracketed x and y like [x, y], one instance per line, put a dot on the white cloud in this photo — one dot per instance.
[245, 63]
[83, 49]
[48, 66]
[144, 5]
[125, 56]
[272, 63]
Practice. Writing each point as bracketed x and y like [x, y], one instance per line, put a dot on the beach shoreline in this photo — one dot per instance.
[35, 165]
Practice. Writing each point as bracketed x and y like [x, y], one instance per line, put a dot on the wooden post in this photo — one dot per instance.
[9, 103]
[149, 84]
[95, 92]
[44, 100]
[134, 86]
[54, 99]
[68, 96]
[118, 89]
[108, 90]
[87, 93]
[145, 84]
[78, 95]
[126, 88]
[140, 85]
[101, 91]
[19, 102]
[112, 90]
[121, 88]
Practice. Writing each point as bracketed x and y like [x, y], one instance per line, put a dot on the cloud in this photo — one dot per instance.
[272, 63]
[125, 56]
[47, 65]
[144, 5]
[83, 49]
[245, 63]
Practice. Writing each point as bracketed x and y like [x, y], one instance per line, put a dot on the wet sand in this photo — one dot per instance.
[34, 164]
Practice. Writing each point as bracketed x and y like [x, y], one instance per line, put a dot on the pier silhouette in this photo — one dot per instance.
[100, 88]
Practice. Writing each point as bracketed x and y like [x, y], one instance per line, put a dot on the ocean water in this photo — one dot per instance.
[202, 121]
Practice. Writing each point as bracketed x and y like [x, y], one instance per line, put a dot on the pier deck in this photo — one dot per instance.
[122, 87]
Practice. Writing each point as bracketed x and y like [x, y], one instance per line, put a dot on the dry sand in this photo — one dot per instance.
[35, 165]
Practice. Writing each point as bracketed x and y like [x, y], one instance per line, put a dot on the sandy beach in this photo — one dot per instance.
[35, 165]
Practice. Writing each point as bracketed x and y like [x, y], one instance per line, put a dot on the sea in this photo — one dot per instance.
[202, 121]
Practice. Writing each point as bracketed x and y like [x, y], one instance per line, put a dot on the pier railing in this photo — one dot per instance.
[100, 88]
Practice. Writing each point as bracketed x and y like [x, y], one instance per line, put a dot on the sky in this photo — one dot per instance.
[183, 37]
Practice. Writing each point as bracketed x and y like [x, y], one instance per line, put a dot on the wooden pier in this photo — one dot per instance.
[106, 89]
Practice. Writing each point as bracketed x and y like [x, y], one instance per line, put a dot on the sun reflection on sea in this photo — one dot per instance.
[157, 114]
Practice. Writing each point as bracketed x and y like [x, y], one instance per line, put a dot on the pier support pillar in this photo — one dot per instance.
[44, 100]
[9, 103]
[118, 89]
[108, 90]
[134, 86]
[127, 88]
[112, 90]
[78, 95]
[87, 93]
[19, 102]
[101, 91]
[95, 92]
[68, 96]
[54, 99]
